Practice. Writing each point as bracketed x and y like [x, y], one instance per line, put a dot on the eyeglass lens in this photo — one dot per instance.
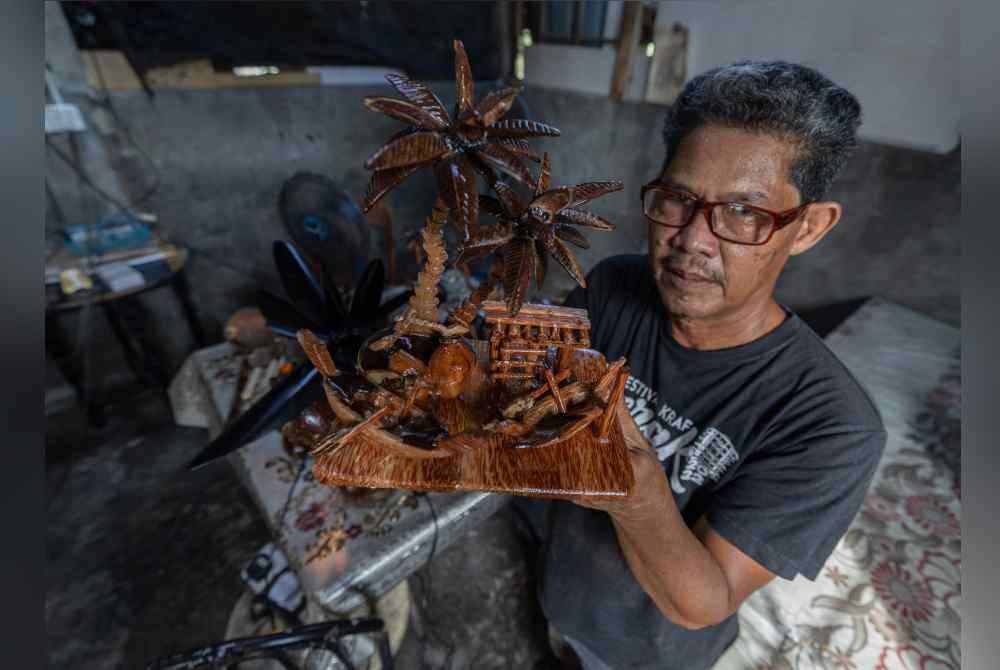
[731, 221]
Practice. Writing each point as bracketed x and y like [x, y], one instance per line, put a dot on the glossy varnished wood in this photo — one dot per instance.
[582, 465]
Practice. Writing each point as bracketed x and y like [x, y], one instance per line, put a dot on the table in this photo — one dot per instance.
[346, 550]
[128, 323]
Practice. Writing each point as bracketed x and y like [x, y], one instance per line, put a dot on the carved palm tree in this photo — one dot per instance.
[474, 139]
[525, 235]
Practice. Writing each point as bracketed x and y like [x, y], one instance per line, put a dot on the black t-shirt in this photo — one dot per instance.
[775, 441]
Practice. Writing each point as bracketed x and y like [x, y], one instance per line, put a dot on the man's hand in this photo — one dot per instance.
[651, 485]
[694, 575]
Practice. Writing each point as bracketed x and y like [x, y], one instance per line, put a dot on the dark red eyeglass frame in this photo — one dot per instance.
[781, 219]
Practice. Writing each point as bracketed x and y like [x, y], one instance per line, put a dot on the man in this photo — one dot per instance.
[752, 445]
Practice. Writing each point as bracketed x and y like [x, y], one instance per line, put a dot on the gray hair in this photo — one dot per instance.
[792, 102]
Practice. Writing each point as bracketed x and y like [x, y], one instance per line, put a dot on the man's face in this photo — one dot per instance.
[698, 275]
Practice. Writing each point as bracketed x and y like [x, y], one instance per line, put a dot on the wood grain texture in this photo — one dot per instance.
[582, 465]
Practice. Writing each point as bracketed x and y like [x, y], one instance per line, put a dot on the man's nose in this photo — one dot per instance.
[696, 236]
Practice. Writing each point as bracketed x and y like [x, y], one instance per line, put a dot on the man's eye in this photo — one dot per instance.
[739, 210]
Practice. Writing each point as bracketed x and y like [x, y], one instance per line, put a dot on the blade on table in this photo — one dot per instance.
[336, 310]
[284, 402]
[368, 294]
[301, 284]
[395, 302]
[282, 317]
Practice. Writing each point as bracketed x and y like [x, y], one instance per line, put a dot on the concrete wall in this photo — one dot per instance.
[899, 58]
[224, 154]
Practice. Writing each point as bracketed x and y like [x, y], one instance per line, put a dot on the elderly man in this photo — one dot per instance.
[752, 445]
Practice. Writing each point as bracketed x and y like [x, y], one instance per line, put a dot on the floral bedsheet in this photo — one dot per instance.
[889, 598]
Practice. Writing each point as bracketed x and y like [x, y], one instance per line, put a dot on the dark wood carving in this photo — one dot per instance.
[531, 409]
[457, 147]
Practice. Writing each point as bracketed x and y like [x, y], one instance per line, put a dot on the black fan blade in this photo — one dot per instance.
[393, 303]
[368, 295]
[336, 310]
[301, 284]
[282, 316]
[302, 387]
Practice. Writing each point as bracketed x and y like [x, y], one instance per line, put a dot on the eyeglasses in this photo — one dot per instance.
[734, 222]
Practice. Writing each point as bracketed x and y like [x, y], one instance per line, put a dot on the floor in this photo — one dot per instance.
[143, 556]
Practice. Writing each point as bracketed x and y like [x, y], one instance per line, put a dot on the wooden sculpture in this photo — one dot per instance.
[529, 410]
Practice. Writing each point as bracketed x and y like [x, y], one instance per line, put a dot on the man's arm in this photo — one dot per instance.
[695, 576]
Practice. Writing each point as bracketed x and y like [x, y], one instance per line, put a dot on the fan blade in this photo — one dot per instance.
[299, 389]
[464, 89]
[368, 294]
[394, 303]
[579, 217]
[412, 149]
[500, 157]
[522, 128]
[405, 111]
[593, 189]
[420, 95]
[336, 311]
[457, 182]
[572, 235]
[281, 315]
[561, 253]
[301, 285]
[519, 264]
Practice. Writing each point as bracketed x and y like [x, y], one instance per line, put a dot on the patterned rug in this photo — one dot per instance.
[890, 595]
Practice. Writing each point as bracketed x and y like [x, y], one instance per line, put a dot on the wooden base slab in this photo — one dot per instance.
[579, 466]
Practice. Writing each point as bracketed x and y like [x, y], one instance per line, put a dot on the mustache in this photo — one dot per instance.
[691, 265]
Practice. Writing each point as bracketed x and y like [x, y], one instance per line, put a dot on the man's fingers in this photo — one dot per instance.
[630, 431]
[628, 424]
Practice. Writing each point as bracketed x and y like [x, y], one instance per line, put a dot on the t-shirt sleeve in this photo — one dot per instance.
[787, 507]
[605, 282]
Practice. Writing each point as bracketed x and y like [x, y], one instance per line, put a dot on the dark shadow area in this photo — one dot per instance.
[144, 556]
[824, 320]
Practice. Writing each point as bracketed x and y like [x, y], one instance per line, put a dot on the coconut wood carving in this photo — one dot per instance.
[531, 409]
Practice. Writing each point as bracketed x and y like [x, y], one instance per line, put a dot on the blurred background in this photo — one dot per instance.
[172, 129]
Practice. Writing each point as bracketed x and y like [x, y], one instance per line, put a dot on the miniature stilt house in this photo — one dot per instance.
[519, 343]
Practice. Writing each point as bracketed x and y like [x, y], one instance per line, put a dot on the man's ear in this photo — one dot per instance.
[818, 219]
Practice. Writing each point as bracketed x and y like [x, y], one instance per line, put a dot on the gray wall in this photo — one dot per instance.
[223, 155]
[899, 58]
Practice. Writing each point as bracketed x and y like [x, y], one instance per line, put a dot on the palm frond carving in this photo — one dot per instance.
[475, 139]
[526, 235]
